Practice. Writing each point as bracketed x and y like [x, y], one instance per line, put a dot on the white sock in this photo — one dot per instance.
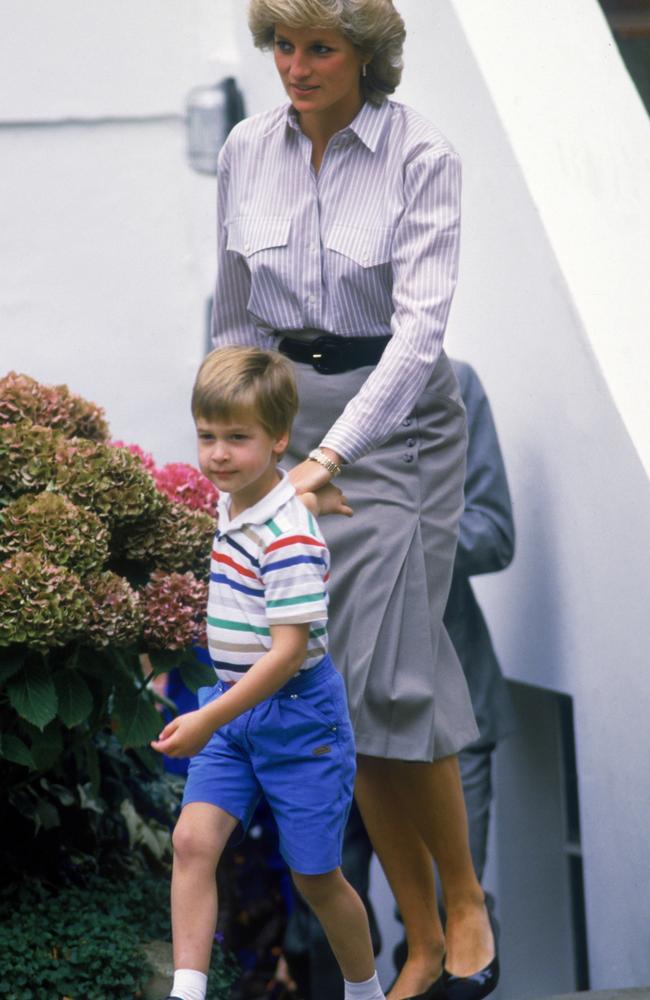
[370, 990]
[189, 984]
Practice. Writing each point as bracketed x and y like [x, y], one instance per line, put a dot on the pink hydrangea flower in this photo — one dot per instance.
[185, 484]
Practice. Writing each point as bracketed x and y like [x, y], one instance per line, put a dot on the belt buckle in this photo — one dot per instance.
[327, 354]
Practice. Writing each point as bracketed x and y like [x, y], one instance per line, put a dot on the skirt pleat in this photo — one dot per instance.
[391, 568]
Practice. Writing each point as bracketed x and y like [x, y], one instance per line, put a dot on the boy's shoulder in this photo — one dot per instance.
[292, 523]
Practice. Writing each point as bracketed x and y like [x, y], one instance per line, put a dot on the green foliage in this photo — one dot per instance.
[83, 942]
[83, 530]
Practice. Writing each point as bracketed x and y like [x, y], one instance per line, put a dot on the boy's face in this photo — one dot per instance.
[239, 456]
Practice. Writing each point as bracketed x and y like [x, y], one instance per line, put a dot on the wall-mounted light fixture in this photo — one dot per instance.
[211, 113]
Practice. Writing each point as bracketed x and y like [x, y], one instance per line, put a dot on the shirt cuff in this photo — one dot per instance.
[349, 442]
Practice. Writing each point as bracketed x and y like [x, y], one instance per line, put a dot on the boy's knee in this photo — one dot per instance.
[194, 844]
[316, 889]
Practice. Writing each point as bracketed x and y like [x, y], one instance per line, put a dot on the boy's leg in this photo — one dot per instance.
[199, 839]
[345, 922]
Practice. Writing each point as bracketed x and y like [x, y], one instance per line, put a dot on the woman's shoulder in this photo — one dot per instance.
[256, 127]
[415, 134]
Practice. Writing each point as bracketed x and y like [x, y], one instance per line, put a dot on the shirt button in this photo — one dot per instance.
[410, 442]
[407, 422]
[408, 457]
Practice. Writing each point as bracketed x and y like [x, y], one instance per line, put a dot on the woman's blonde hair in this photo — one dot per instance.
[373, 26]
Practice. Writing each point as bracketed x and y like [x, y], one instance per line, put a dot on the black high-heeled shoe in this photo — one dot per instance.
[435, 992]
[475, 987]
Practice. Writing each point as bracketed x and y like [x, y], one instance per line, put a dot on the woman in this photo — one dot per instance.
[337, 244]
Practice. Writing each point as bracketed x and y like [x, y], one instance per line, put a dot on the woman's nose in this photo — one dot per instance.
[300, 67]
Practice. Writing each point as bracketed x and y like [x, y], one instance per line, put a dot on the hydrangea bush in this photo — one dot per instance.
[103, 566]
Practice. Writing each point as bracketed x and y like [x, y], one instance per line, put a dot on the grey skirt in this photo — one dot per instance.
[391, 568]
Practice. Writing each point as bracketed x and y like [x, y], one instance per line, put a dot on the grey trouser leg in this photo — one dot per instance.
[476, 776]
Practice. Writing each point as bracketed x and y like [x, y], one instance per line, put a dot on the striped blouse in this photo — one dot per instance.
[367, 246]
[270, 566]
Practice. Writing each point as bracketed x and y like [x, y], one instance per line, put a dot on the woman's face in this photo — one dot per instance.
[320, 70]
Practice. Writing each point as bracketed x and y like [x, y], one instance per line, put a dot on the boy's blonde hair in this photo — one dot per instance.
[232, 379]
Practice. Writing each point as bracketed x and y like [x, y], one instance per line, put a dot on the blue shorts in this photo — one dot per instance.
[297, 749]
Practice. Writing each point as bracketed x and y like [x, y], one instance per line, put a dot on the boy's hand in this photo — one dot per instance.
[328, 499]
[184, 736]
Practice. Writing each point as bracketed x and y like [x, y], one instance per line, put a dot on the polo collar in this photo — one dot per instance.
[259, 513]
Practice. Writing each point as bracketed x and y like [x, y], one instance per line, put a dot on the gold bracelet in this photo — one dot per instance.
[319, 456]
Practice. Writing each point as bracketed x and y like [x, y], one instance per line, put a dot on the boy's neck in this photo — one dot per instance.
[244, 499]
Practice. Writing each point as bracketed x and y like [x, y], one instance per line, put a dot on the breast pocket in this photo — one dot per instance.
[366, 247]
[251, 235]
[360, 278]
[263, 243]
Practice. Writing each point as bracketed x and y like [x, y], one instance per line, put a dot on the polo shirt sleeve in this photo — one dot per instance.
[295, 570]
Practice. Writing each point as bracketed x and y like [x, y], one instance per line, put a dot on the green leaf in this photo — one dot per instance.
[47, 746]
[11, 660]
[164, 660]
[33, 695]
[60, 792]
[138, 721]
[75, 699]
[13, 749]
[196, 675]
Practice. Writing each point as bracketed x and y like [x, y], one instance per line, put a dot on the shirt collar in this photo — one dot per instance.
[260, 512]
[367, 126]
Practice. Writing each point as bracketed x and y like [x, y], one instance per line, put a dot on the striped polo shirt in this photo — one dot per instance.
[269, 566]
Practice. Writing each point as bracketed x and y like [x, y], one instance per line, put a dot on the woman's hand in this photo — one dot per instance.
[310, 476]
[327, 500]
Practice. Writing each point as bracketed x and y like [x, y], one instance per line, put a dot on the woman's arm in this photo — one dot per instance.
[231, 322]
[424, 265]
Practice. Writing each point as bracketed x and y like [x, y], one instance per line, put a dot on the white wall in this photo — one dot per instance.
[106, 236]
[552, 310]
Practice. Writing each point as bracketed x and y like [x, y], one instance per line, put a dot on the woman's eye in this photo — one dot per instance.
[282, 46]
[321, 50]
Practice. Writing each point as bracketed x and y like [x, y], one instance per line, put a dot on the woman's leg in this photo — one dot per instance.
[434, 795]
[200, 836]
[344, 919]
[406, 861]
[413, 812]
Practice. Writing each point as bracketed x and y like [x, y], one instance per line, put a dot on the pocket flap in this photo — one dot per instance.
[249, 234]
[367, 247]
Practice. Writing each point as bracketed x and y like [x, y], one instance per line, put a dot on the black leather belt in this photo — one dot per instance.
[330, 355]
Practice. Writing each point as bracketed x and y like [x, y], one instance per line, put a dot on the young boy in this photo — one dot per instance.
[276, 723]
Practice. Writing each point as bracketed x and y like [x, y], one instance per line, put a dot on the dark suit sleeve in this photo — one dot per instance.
[487, 532]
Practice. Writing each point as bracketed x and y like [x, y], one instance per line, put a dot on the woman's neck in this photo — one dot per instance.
[319, 127]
